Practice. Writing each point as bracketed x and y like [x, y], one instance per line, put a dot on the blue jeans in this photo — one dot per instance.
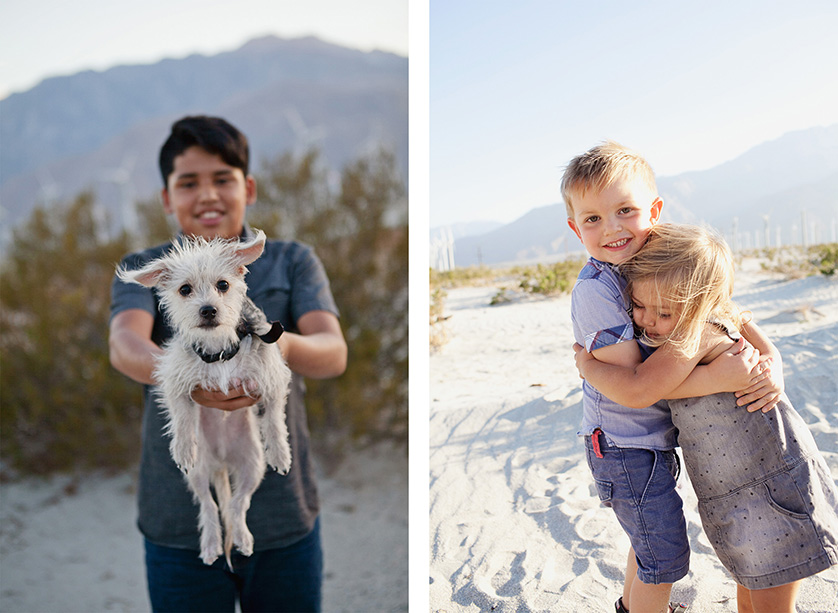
[286, 579]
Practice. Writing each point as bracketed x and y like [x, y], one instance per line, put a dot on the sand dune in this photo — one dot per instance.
[515, 524]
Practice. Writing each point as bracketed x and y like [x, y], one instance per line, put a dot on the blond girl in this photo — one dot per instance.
[765, 495]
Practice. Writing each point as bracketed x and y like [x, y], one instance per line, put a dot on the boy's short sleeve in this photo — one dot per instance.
[289, 281]
[126, 296]
[599, 309]
[312, 290]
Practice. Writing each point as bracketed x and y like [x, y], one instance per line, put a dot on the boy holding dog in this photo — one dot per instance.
[204, 164]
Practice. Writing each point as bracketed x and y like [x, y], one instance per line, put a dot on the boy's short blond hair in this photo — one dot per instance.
[599, 167]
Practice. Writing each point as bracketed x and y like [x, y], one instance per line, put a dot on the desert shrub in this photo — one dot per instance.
[544, 279]
[461, 277]
[548, 279]
[795, 262]
[825, 258]
[359, 231]
[438, 332]
[502, 296]
[61, 404]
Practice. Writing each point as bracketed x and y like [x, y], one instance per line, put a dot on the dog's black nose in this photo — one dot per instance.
[208, 312]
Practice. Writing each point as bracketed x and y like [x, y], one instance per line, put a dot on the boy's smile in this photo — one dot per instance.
[614, 224]
[208, 196]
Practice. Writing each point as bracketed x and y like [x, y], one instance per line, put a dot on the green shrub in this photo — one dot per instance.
[825, 258]
[360, 234]
[551, 279]
[62, 406]
[460, 277]
[795, 261]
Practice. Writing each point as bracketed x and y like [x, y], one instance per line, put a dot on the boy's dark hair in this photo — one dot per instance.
[212, 134]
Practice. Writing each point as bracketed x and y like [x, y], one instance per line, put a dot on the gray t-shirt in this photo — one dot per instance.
[286, 282]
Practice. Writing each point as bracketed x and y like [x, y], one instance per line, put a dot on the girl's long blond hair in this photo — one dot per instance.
[692, 268]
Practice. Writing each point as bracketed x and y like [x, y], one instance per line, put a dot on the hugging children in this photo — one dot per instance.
[765, 495]
[630, 433]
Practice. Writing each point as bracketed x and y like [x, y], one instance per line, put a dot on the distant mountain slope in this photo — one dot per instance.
[538, 235]
[88, 130]
[788, 180]
[736, 188]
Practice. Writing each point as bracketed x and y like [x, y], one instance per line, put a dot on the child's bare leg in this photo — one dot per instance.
[631, 576]
[650, 597]
[639, 596]
[743, 600]
[778, 599]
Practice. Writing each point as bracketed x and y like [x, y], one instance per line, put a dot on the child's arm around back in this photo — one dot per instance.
[756, 378]
[765, 393]
[664, 375]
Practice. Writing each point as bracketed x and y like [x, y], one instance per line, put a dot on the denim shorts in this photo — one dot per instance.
[639, 485]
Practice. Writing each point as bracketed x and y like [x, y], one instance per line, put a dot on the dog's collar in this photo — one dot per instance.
[221, 356]
[271, 336]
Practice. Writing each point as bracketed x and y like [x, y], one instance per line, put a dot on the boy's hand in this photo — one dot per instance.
[582, 358]
[764, 393]
[236, 398]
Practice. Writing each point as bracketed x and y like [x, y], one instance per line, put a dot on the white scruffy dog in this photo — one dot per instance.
[221, 340]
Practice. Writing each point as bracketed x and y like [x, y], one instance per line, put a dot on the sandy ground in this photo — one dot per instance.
[515, 523]
[70, 544]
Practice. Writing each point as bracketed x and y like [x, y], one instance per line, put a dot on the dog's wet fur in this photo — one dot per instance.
[218, 345]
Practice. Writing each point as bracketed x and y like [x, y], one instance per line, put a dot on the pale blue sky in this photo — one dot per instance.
[517, 89]
[43, 38]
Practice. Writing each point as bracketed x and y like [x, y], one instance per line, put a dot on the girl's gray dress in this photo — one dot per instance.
[765, 495]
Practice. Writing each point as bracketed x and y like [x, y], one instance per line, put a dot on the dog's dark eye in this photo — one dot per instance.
[185, 290]
[222, 286]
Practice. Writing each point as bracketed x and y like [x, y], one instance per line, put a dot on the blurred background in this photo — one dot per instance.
[88, 93]
[89, 96]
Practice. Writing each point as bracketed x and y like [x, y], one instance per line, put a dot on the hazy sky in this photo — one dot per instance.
[518, 88]
[43, 38]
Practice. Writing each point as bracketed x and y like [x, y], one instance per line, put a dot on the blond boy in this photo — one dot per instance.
[612, 204]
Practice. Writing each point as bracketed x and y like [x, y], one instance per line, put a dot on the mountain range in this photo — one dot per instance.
[776, 189]
[102, 130]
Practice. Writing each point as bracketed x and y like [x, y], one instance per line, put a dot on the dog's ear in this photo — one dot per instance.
[149, 275]
[248, 252]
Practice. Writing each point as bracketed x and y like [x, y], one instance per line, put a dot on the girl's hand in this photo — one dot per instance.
[737, 368]
[765, 393]
[582, 358]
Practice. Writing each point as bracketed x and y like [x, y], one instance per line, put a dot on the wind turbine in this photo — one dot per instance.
[48, 189]
[442, 250]
[121, 177]
[373, 142]
[305, 137]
